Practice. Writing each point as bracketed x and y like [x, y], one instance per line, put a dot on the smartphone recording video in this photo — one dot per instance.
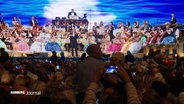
[111, 69]
[57, 66]
[17, 67]
[46, 60]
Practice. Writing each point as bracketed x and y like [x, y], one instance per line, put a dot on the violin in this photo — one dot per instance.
[19, 23]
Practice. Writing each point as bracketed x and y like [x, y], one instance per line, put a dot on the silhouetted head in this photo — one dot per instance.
[72, 10]
[94, 51]
[129, 53]
[117, 58]
[53, 53]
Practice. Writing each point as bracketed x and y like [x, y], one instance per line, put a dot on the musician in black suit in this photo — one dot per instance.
[72, 13]
[1, 18]
[173, 19]
[48, 24]
[32, 21]
[73, 41]
[110, 31]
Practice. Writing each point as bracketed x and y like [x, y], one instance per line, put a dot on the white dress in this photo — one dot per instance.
[38, 45]
[135, 47]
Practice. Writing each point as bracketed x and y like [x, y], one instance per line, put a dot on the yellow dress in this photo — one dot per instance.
[125, 47]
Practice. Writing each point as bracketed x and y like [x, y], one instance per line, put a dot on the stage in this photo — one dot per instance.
[39, 54]
[49, 54]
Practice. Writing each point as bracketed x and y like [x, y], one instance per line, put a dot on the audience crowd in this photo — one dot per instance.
[155, 78]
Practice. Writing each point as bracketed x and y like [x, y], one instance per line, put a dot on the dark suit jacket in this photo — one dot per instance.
[73, 41]
[173, 21]
[70, 13]
[31, 22]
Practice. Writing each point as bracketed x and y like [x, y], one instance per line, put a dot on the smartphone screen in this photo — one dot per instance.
[111, 69]
[57, 66]
[17, 67]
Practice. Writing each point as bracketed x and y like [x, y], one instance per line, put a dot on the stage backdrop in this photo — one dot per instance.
[156, 11]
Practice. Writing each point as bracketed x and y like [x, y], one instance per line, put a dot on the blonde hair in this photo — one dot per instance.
[118, 56]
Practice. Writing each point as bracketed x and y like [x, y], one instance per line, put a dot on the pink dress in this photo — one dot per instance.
[105, 43]
[23, 46]
[115, 46]
[15, 45]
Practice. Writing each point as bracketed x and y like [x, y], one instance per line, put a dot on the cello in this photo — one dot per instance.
[3, 25]
[36, 23]
[19, 24]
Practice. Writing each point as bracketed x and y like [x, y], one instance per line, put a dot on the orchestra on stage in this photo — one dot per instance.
[73, 33]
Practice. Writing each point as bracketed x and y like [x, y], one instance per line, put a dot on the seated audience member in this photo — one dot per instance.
[151, 97]
[5, 88]
[118, 58]
[86, 69]
[176, 87]
[153, 74]
[83, 57]
[62, 56]
[54, 57]
[4, 57]
[161, 88]
[168, 61]
[129, 57]
[113, 92]
[20, 85]
[44, 100]
[5, 81]
[151, 54]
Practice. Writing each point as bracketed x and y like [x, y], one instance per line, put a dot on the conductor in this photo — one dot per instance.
[73, 41]
[72, 13]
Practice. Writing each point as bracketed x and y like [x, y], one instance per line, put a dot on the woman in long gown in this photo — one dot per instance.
[3, 45]
[137, 43]
[105, 42]
[38, 45]
[117, 43]
[53, 45]
[14, 43]
[133, 44]
[90, 40]
[23, 43]
[168, 36]
[154, 34]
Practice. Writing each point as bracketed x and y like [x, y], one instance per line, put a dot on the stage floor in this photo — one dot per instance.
[41, 54]
[49, 54]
